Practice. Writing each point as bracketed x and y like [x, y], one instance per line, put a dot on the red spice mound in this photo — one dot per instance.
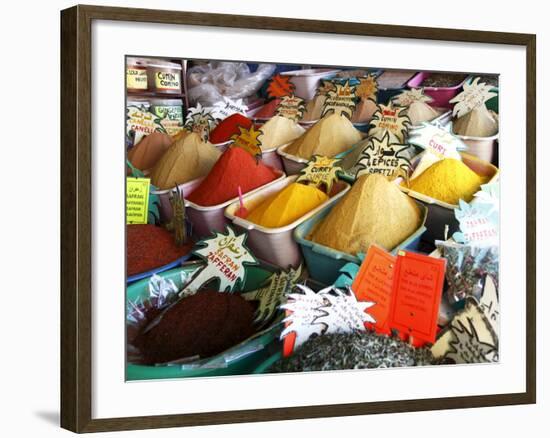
[268, 110]
[228, 127]
[149, 247]
[234, 168]
[203, 325]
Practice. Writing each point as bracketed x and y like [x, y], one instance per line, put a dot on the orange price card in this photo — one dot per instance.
[417, 288]
[374, 283]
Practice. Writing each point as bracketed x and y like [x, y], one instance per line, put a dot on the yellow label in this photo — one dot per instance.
[167, 80]
[137, 200]
[136, 79]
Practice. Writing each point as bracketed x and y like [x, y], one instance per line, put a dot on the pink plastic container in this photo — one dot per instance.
[277, 245]
[440, 95]
[205, 220]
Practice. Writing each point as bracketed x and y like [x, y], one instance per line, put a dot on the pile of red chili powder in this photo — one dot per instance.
[149, 247]
[234, 168]
[202, 325]
[228, 127]
[268, 110]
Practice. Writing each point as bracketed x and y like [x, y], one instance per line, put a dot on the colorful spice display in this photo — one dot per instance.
[448, 180]
[330, 136]
[149, 150]
[373, 211]
[198, 326]
[286, 206]
[187, 159]
[279, 131]
[235, 168]
[229, 127]
[373, 275]
[149, 247]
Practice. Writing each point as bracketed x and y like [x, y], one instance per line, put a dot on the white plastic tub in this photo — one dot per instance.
[271, 158]
[307, 81]
[277, 245]
[165, 208]
[293, 165]
[482, 147]
[206, 220]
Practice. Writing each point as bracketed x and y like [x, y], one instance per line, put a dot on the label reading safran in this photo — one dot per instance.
[137, 200]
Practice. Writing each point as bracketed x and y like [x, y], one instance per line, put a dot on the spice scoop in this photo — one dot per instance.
[241, 211]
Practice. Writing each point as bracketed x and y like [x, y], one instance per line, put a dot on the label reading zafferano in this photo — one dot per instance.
[167, 80]
[136, 79]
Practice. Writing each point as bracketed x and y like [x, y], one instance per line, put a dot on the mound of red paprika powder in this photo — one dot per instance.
[228, 127]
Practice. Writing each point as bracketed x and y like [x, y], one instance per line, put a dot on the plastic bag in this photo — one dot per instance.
[209, 83]
[467, 267]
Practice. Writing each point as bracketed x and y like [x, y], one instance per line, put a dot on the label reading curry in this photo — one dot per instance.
[167, 80]
[136, 78]
[320, 171]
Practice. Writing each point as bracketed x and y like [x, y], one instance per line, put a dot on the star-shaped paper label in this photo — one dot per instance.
[272, 294]
[279, 86]
[226, 257]
[474, 95]
[383, 157]
[438, 143]
[331, 310]
[320, 171]
[391, 119]
[141, 123]
[291, 107]
[342, 100]
[477, 225]
[200, 121]
[227, 107]
[367, 87]
[325, 86]
[468, 338]
[248, 139]
[408, 97]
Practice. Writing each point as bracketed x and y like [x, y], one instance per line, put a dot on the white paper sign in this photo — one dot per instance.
[474, 95]
[227, 107]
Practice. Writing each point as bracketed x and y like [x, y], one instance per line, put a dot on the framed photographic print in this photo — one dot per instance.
[346, 206]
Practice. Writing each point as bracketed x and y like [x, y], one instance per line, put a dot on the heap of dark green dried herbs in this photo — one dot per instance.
[355, 350]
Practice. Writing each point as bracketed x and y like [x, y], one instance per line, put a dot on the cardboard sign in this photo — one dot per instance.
[200, 121]
[177, 224]
[227, 107]
[291, 107]
[474, 95]
[417, 288]
[438, 144]
[280, 86]
[248, 139]
[489, 303]
[140, 123]
[408, 97]
[392, 120]
[272, 294]
[319, 171]
[137, 200]
[331, 310]
[226, 258]
[367, 88]
[469, 338]
[341, 100]
[374, 282]
[383, 157]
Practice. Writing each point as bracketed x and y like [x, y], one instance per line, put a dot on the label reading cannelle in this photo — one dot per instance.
[136, 78]
[166, 80]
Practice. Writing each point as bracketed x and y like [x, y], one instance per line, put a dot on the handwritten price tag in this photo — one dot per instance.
[392, 120]
[137, 200]
[248, 139]
[474, 95]
[280, 86]
[291, 107]
[374, 283]
[367, 88]
[228, 107]
[226, 258]
[383, 157]
[341, 100]
[142, 123]
[319, 171]
[417, 288]
[200, 121]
